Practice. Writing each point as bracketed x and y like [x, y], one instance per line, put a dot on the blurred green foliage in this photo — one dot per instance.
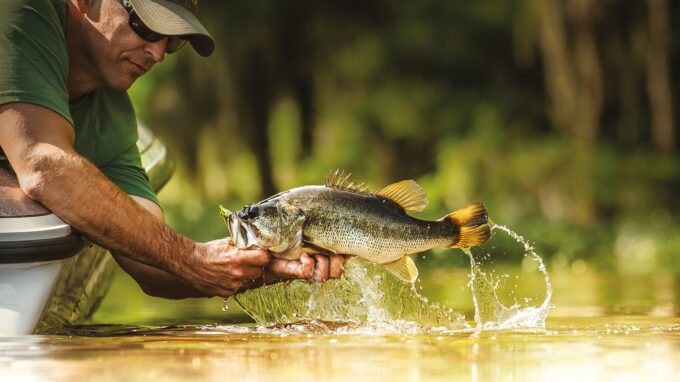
[465, 97]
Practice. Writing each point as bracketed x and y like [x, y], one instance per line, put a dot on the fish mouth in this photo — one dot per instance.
[242, 234]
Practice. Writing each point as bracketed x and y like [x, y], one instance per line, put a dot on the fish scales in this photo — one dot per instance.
[369, 226]
[347, 219]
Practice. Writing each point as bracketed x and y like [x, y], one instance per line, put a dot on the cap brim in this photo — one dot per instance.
[171, 19]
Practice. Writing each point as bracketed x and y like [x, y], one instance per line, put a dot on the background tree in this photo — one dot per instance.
[558, 114]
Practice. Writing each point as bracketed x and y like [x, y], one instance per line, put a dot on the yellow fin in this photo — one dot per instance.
[407, 194]
[339, 180]
[404, 269]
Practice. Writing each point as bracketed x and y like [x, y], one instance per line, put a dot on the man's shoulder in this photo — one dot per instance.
[34, 59]
[34, 30]
[33, 12]
[30, 27]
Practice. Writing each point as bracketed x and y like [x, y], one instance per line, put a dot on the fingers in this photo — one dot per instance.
[250, 265]
[222, 269]
[307, 263]
[254, 257]
[320, 273]
[316, 266]
[250, 274]
[281, 269]
[337, 266]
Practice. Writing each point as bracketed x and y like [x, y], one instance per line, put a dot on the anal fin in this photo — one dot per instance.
[404, 269]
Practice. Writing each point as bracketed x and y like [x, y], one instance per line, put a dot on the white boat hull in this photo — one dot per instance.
[49, 276]
[24, 289]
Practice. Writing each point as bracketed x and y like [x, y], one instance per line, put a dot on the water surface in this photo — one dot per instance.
[599, 327]
[618, 348]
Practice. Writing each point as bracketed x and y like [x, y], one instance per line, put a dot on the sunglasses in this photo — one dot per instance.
[143, 31]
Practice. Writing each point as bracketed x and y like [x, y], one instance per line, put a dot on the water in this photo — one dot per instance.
[613, 348]
[370, 295]
[366, 293]
[490, 312]
[601, 327]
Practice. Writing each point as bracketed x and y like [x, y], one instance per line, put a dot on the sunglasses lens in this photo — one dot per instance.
[174, 42]
[143, 31]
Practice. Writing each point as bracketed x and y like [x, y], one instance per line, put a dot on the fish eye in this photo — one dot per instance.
[253, 212]
[249, 212]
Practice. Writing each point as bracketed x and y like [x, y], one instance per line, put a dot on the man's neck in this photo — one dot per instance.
[82, 76]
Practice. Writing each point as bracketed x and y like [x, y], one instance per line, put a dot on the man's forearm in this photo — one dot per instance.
[39, 144]
[82, 196]
[156, 282]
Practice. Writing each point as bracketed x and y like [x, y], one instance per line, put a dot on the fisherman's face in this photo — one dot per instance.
[119, 54]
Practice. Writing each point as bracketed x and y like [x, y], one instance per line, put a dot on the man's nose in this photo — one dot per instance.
[157, 49]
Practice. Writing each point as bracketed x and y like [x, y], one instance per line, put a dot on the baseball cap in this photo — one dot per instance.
[175, 18]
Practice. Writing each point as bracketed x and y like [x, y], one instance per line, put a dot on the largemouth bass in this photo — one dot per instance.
[342, 218]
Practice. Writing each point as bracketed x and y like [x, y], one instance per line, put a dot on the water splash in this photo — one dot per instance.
[490, 313]
[365, 293]
[369, 299]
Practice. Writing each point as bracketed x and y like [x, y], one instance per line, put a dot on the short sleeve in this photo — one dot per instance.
[34, 58]
[126, 172]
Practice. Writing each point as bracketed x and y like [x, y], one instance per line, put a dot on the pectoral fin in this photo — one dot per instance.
[404, 269]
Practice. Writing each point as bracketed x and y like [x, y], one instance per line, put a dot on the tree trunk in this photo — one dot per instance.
[658, 77]
[586, 121]
[558, 73]
[256, 90]
[573, 73]
[304, 93]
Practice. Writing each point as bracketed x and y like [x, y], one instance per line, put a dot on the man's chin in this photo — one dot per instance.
[123, 83]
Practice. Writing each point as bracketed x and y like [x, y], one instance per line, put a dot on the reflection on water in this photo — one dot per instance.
[603, 327]
[570, 348]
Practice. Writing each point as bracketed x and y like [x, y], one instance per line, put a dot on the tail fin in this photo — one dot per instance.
[473, 225]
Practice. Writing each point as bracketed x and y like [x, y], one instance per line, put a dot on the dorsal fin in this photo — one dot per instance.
[407, 194]
[339, 181]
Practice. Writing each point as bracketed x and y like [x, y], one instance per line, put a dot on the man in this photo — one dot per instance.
[68, 129]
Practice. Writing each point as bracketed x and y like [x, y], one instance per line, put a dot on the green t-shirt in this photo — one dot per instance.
[33, 69]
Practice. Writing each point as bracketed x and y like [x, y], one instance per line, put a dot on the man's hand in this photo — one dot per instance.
[315, 266]
[221, 269]
[233, 270]
[39, 145]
